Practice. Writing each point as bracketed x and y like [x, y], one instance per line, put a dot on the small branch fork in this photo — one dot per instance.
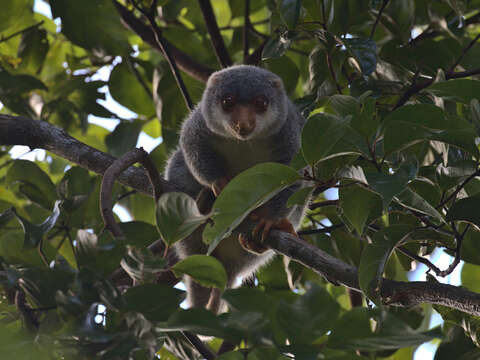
[15, 130]
[162, 45]
[432, 267]
[416, 86]
[374, 27]
[112, 173]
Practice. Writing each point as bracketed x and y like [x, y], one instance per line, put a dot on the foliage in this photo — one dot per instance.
[391, 90]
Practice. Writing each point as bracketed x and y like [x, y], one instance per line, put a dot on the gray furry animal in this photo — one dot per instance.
[244, 118]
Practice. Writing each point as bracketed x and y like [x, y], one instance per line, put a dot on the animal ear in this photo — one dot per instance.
[213, 79]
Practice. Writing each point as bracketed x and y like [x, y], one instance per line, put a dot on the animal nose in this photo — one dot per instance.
[243, 118]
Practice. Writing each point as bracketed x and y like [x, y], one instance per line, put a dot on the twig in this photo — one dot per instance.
[25, 310]
[332, 73]
[137, 75]
[324, 25]
[150, 15]
[184, 61]
[458, 189]
[6, 38]
[246, 26]
[374, 27]
[464, 52]
[322, 204]
[202, 348]
[326, 229]
[216, 38]
[462, 74]
[256, 56]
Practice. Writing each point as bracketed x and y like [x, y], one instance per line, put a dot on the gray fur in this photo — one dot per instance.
[210, 151]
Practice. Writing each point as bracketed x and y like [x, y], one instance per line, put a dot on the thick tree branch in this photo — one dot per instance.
[215, 37]
[36, 134]
[17, 130]
[184, 61]
[396, 293]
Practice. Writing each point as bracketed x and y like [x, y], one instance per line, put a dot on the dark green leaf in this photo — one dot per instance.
[375, 257]
[156, 302]
[243, 194]
[365, 52]
[34, 183]
[289, 11]
[128, 91]
[34, 233]
[320, 134]
[359, 204]
[177, 217]
[465, 209]
[300, 197]
[206, 270]
[463, 90]
[310, 316]
[103, 33]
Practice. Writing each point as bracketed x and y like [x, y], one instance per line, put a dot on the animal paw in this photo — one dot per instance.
[263, 228]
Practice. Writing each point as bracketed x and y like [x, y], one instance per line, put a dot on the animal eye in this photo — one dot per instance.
[228, 102]
[260, 103]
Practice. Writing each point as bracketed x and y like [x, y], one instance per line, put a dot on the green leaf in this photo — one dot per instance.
[359, 204]
[33, 183]
[465, 209]
[353, 332]
[365, 52]
[310, 316]
[15, 13]
[177, 216]
[300, 197]
[123, 138]
[138, 233]
[449, 176]
[366, 122]
[413, 201]
[344, 105]
[32, 50]
[156, 302]
[34, 233]
[388, 186]
[469, 323]
[128, 91]
[244, 193]
[411, 124]
[320, 134]
[198, 321]
[206, 270]
[470, 277]
[102, 34]
[289, 11]
[375, 257]
[463, 90]
[276, 47]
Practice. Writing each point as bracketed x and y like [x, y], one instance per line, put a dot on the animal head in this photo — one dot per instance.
[244, 102]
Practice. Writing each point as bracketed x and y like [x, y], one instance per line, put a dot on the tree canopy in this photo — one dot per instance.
[390, 91]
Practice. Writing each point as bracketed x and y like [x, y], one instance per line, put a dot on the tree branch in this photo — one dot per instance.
[37, 134]
[218, 44]
[184, 61]
[17, 130]
[6, 38]
[377, 19]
